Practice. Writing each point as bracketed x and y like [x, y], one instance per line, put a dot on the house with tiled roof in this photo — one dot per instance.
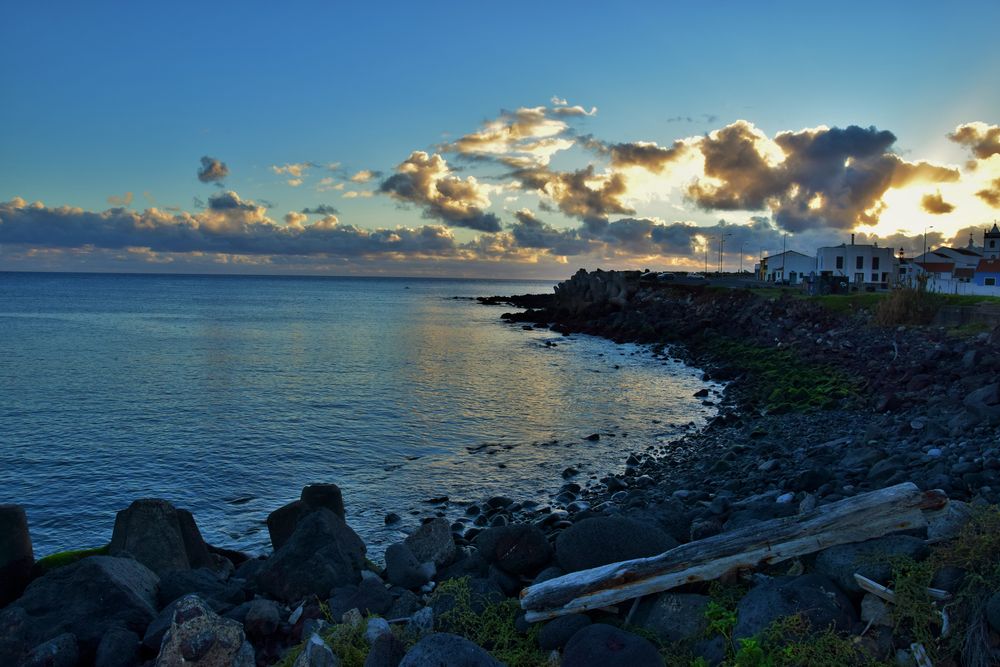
[987, 273]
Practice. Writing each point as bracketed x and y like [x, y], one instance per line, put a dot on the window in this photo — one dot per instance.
[840, 262]
[874, 263]
[874, 277]
[993, 244]
[989, 281]
[860, 263]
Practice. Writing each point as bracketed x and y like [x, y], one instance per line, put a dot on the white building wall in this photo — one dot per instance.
[887, 271]
[781, 267]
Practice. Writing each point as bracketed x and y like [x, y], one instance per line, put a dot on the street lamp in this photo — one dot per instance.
[742, 245]
[924, 256]
[722, 241]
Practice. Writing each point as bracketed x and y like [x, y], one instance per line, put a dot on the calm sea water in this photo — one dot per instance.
[226, 395]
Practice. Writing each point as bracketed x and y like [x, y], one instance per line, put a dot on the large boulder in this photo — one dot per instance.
[206, 583]
[433, 542]
[61, 651]
[813, 596]
[281, 523]
[198, 637]
[118, 648]
[602, 645]
[159, 536]
[16, 555]
[602, 540]
[441, 649]
[87, 599]
[872, 559]
[403, 569]
[322, 554]
[518, 549]
[673, 617]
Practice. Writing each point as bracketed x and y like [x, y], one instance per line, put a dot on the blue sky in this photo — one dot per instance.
[114, 98]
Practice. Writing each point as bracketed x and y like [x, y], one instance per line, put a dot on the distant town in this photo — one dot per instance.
[974, 269]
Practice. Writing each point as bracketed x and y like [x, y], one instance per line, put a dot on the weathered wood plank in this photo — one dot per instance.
[856, 519]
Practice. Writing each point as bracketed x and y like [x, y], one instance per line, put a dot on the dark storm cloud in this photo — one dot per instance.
[212, 170]
[426, 181]
[828, 178]
[322, 209]
[530, 232]
[982, 139]
[579, 194]
[935, 204]
[230, 201]
[991, 194]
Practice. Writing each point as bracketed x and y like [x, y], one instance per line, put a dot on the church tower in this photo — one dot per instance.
[991, 243]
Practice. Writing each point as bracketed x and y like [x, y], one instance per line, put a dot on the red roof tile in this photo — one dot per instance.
[988, 266]
[937, 267]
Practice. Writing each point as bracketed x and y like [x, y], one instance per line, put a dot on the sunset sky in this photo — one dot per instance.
[522, 139]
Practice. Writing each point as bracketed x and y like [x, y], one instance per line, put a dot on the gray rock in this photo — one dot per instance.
[60, 651]
[814, 596]
[159, 536]
[875, 611]
[206, 583]
[368, 597]
[870, 559]
[16, 555]
[281, 523]
[118, 648]
[403, 569]
[673, 616]
[601, 645]
[316, 654]
[603, 540]
[445, 650]
[199, 637]
[386, 651]
[404, 604]
[321, 554]
[262, 618]
[947, 523]
[993, 612]
[152, 639]
[517, 549]
[554, 634]
[433, 542]
[87, 598]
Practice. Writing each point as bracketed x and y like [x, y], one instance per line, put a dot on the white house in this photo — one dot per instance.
[862, 265]
[789, 266]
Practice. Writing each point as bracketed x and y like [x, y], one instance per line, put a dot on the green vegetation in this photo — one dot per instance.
[976, 552]
[492, 628]
[908, 306]
[780, 381]
[791, 642]
[64, 558]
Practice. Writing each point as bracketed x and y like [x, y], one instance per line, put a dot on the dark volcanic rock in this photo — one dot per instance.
[603, 540]
[16, 555]
[281, 522]
[433, 542]
[558, 631]
[159, 536]
[870, 559]
[61, 651]
[814, 596]
[518, 549]
[601, 645]
[88, 598]
[673, 616]
[403, 569]
[321, 554]
[198, 636]
[178, 583]
[445, 650]
[118, 648]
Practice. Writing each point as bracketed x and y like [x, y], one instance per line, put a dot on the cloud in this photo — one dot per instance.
[65, 227]
[812, 178]
[581, 194]
[645, 154]
[365, 175]
[575, 110]
[322, 209]
[991, 193]
[327, 184]
[982, 139]
[935, 204]
[124, 200]
[297, 171]
[530, 232]
[354, 194]
[426, 181]
[527, 136]
[212, 170]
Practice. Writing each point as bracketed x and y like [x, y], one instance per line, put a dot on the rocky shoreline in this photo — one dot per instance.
[821, 406]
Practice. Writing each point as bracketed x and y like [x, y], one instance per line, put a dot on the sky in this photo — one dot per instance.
[514, 140]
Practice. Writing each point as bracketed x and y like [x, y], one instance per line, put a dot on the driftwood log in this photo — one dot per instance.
[862, 517]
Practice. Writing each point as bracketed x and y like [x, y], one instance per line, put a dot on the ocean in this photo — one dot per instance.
[227, 394]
